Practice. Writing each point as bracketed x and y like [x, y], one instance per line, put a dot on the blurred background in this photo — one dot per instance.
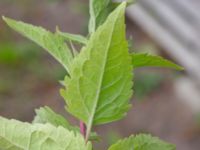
[166, 102]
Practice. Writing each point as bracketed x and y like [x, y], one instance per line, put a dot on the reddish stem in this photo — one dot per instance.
[83, 128]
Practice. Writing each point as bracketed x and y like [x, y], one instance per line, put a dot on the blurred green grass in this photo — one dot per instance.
[145, 83]
[20, 60]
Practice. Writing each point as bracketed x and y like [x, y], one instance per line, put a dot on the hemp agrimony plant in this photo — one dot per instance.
[97, 88]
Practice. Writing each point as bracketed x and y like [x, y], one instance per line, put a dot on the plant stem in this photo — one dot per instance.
[83, 128]
[87, 135]
[89, 128]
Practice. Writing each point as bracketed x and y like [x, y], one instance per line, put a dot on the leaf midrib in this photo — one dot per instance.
[11, 143]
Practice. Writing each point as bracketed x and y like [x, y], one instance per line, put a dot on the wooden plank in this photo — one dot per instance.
[170, 18]
[167, 40]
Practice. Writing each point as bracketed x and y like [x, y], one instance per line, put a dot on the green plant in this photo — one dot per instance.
[146, 83]
[97, 88]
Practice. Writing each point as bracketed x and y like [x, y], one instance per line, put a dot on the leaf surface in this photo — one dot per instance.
[142, 142]
[100, 86]
[47, 115]
[73, 37]
[99, 11]
[53, 43]
[147, 60]
[15, 135]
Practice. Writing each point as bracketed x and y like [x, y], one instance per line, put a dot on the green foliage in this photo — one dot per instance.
[53, 43]
[96, 90]
[15, 135]
[13, 54]
[101, 78]
[147, 60]
[142, 142]
[99, 11]
[47, 115]
[112, 137]
[7, 55]
[145, 83]
[73, 37]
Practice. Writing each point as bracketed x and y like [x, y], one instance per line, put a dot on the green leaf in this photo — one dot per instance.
[47, 115]
[142, 142]
[53, 43]
[94, 137]
[96, 7]
[15, 135]
[99, 11]
[146, 60]
[99, 88]
[73, 37]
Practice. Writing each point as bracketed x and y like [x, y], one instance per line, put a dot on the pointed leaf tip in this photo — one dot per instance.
[147, 60]
[51, 42]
